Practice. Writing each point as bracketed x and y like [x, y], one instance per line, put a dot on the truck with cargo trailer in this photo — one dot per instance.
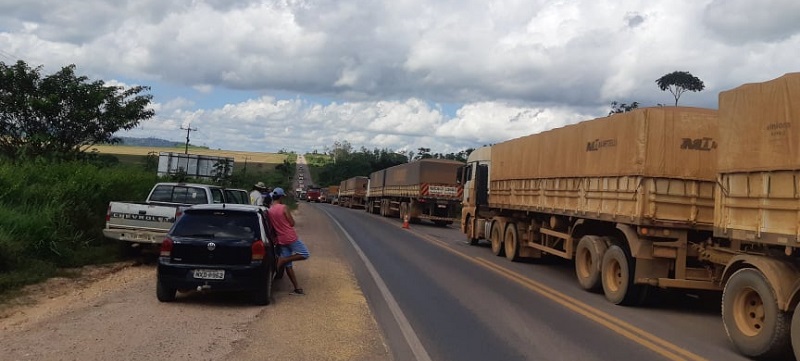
[667, 197]
[423, 189]
[352, 192]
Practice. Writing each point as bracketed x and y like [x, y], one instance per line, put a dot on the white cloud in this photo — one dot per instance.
[370, 72]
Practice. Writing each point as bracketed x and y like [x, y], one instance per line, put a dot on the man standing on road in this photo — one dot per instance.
[291, 247]
[256, 195]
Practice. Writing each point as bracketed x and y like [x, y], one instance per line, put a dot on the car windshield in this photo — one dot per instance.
[217, 224]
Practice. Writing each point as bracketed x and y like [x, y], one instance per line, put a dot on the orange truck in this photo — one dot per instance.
[667, 197]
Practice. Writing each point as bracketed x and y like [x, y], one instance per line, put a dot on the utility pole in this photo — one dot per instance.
[187, 129]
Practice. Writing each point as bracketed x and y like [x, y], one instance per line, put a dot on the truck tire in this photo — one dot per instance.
[262, 295]
[470, 231]
[617, 278]
[497, 240]
[795, 332]
[511, 243]
[164, 293]
[403, 211]
[752, 319]
[588, 258]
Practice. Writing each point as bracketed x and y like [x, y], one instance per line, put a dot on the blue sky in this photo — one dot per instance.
[265, 75]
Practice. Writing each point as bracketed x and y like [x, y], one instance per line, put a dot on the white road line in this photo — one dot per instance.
[405, 327]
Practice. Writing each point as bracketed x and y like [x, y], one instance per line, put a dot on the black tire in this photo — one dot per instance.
[164, 293]
[511, 243]
[497, 240]
[617, 278]
[752, 319]
[588, 259]
[440, 223]
[795, 332]
[469, 226]
[262, 296]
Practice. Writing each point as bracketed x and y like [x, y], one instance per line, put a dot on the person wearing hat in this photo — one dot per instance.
[291, 247]
[257, 194]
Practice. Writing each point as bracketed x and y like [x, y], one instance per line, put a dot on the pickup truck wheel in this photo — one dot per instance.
[164, 293]
[752, 319]
[617, 278]
[588, 258]
[262, 296]
[497, 240]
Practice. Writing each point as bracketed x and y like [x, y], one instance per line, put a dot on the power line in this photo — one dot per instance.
[8, 55]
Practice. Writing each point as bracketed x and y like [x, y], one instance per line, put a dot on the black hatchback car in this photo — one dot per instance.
[227, 247]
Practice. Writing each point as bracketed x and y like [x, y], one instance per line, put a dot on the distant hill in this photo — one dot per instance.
[149, 142]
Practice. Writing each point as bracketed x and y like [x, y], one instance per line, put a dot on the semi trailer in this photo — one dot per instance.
[667, 197]
[423, 189]
[352, 192]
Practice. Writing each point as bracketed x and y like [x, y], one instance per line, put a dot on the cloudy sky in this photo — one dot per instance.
[299, 75]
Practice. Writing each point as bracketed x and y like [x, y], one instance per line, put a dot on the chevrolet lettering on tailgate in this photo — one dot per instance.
[142, 217]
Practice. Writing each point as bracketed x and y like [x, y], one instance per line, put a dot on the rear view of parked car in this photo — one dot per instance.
[225, 247]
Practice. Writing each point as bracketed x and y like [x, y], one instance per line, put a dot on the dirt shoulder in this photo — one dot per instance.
[110, 312]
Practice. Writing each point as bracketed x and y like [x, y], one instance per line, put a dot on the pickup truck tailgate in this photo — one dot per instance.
[158, 218]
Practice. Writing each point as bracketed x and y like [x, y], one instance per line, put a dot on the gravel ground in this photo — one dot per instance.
[110, 312]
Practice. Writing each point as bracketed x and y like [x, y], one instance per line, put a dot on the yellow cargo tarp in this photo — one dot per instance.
[669, 142]
[648, 166]
[761, 126]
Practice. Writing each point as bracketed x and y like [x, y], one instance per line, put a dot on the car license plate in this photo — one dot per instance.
[209, 274]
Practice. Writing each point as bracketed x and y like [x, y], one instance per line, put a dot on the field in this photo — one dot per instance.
[136, 155]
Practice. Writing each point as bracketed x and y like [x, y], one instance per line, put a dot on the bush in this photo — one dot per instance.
[52, 215]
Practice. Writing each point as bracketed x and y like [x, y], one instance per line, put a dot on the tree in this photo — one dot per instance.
[63, 115]
[617, 108]
[679, 82]
[423, 153]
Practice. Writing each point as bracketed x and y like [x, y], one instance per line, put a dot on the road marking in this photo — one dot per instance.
[644, 338]
[405, 327]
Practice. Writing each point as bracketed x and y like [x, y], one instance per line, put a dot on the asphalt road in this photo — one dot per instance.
[460, 302]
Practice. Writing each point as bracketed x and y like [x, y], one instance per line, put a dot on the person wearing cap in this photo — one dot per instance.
[291, 247]
[257, 194]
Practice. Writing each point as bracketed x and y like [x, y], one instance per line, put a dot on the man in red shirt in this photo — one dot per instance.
[291, 247]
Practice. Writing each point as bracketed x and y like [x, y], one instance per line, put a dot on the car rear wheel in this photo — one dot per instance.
[262, 296]
[164, 293]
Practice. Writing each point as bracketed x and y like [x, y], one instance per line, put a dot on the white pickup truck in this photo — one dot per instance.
[149, 221]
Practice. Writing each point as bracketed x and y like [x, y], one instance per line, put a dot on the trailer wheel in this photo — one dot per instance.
[795, 332]
[588, 258]
[617, 278]
[403, 207]
[511, 243]
[473, 241]
[497, 240]
[752, 319]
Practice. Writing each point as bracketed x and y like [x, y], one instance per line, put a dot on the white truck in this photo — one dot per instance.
[147, 222]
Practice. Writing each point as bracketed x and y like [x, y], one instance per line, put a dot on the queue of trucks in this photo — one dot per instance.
[663, 197]
[667, 197]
